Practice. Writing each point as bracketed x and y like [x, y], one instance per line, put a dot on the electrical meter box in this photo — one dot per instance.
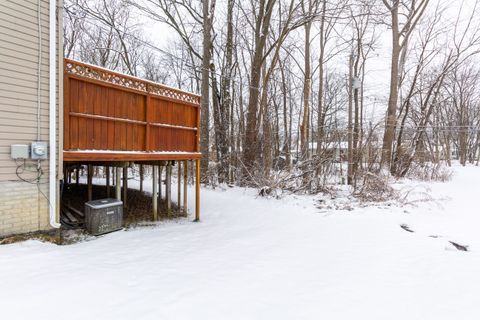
[103, 216]
[39, 150]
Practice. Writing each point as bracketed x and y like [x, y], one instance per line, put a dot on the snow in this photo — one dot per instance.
[256, 258]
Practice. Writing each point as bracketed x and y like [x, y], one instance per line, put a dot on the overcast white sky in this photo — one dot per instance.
[378, 66]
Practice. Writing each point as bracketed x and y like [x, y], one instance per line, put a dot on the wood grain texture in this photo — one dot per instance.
[79, 156]
[105, 110]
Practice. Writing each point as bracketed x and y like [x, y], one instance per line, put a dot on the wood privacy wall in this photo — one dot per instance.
[104, 110]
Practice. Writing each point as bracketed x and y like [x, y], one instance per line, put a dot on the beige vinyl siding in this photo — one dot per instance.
[18, 79]
[22, 207]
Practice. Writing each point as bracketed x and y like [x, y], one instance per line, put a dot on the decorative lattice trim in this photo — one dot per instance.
[105, 75]
[174, 94]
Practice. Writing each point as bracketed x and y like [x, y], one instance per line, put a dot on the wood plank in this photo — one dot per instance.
[111, 124]
[197, 140]
[70, 216]
[73, 103]
[82, 123]
[171, 126]
[66, 115]
[74, 211]
[89, 92]
[134, 113]
[79, 156]
[99, 117]
[123, 126]
[118, 129]
[129, 108]
[97, 125]
[147, 119]
[105, 124]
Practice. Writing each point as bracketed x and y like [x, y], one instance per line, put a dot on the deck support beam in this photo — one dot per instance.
[185, 185]
[65, 178]
[89, 182]
[125, 186]
[107, 179]
[168, 188]
[179, 184]
[197, 190]
[160, 173]
[154, 192]
[117, 184]
[141, 178]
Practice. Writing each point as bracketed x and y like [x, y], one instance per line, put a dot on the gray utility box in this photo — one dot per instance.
[19, 151]
[103, 216]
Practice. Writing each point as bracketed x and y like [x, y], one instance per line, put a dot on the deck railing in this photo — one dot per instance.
[106, 110]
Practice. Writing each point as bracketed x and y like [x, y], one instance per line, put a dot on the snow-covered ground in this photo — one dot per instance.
[255, 258]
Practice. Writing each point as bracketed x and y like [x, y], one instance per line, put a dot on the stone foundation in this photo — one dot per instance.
[23, 208]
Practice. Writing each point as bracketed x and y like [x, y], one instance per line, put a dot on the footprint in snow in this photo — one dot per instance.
[406, 228]
[457, 246]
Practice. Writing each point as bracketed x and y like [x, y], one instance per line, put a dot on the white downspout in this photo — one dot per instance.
[52, 115]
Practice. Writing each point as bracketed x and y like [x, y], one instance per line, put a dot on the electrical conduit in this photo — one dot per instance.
[52, 172]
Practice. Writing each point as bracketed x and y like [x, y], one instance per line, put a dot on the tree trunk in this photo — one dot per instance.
[321, 107]
[305, 126]
[205, 89]
[226, 83]
[391, 117]
[262, 28]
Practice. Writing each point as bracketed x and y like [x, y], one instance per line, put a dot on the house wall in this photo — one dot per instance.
[24, 205]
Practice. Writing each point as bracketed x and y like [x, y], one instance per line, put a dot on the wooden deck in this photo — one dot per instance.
[109, 116]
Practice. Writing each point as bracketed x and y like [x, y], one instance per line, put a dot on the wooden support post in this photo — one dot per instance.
[185, 185]
[168, 187]
[154, 193]
[159, 183]
[77, 176]
[117, 184]
[197, 190]
[89, 182]
[141, 177]
[65, 177]
[160, 171]
[179, 183]
[107, 180]
[125, 186]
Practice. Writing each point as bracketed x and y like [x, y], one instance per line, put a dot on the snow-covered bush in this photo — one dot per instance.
[428, 171]
[374, 187]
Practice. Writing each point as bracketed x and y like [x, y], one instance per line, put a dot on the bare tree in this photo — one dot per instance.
[404, 16]
[262, 29]
[309, 9]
